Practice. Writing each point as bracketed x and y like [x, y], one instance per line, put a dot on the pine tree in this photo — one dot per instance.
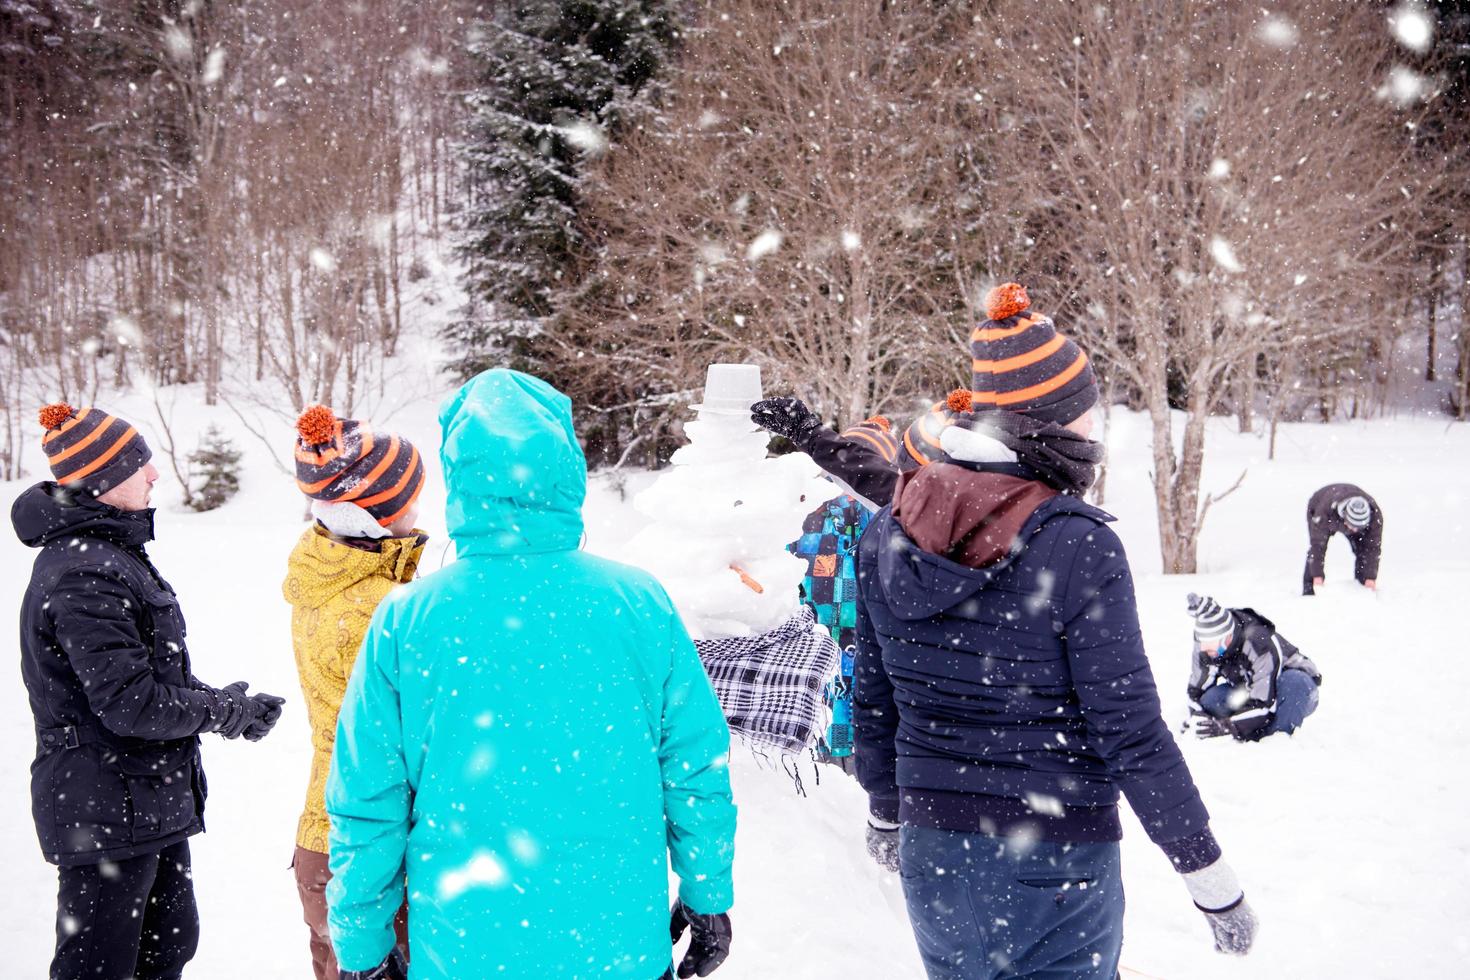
[553, 78]
[216, 464]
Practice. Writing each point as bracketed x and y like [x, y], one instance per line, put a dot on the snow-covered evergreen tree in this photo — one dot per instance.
[216, 465]
[553, 80]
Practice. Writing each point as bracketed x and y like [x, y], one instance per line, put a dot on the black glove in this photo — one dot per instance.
[709, 939]
[1208, 726]
[883, 844]
[787, 417]
[234, 711]
[395, 967]
[270, 713]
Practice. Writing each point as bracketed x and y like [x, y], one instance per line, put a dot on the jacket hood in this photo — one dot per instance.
[515, 474]
[919, 584]
[968, 516]
[321, 568]
[48, 512]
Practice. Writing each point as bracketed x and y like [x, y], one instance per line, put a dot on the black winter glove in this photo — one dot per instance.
[270, 713]
[787, 417]
[235, 711]
[709, 939]
[395, 967]
[882, 840]
[1208, 726]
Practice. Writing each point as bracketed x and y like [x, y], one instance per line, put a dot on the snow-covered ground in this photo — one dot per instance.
[1350, 837]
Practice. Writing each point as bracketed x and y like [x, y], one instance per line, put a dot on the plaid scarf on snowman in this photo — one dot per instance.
[770, 685]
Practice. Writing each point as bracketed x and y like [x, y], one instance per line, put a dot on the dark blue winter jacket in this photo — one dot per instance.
[117, 710]
[1014, 697]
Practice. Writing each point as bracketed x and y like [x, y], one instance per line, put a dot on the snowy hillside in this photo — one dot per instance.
[1349, 837]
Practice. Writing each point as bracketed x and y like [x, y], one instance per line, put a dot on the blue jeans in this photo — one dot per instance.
[1296, 697]
[988, 908]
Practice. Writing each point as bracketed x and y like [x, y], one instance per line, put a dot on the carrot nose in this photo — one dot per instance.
[745, 578]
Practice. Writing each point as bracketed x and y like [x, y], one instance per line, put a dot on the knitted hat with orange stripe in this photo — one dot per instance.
[877, 432]
[343, 461]
[1021, 364]
[89, 449]
[921, 439]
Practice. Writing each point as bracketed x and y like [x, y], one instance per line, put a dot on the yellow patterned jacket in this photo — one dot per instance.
[333, 589]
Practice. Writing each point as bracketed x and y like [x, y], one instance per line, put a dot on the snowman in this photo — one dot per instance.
[721, 517]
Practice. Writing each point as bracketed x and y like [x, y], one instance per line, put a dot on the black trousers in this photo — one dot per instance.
[121, 920]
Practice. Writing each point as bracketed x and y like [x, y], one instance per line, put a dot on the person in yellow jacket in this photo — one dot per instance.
[364, 486]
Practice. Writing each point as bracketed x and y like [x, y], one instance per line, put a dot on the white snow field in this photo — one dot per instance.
[1351, 837]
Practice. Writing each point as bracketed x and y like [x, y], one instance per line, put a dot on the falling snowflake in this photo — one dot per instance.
[765, 243]
[585, 136]
[1278, 32]
[324, 261]
[1404, 87]
[1224, 255]
[214, 66]
[1413, 26]
[483, 869]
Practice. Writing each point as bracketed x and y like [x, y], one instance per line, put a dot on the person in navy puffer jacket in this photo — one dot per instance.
[1003, 696]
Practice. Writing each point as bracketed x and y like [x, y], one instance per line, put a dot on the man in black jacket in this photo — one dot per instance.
[1341, 508]
[117, 788]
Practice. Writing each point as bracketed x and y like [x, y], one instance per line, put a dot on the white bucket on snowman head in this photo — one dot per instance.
[730, 390]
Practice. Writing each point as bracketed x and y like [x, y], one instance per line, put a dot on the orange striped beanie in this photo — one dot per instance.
[877, 433]
[921, 439]
[344, 461]
[1021, 364]
[89, 449]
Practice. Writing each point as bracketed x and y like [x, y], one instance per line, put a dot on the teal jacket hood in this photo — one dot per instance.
[515, 474]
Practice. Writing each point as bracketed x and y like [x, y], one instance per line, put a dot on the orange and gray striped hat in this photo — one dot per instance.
[344, 461]
[921, 439]
[1021, 364]
[89, 449]
[877, 433]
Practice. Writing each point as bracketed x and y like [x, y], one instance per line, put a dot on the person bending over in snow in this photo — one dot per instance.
[1346, 509]
[528, 736]
[1247, 681]
[1003, 696]
[117, 786]
[364, 486]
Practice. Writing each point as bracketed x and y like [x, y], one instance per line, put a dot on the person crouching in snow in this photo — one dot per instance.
[1247, 681]
[364, 486]
[117, 786]
[529, 736]
[1003, 696]
[1341, 508]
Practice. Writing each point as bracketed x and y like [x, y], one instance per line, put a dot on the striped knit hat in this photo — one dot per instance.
[877, 432]
[1021, 364]
[1356, 511]
[89, 449]
[343, 461]
[1212, 623]
[921, 444]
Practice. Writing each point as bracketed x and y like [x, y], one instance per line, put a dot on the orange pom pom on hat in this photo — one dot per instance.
[345, 461]
[1021, 364]
[90, 450]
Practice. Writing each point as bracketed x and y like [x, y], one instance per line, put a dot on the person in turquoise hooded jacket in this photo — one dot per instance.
[529, 737]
